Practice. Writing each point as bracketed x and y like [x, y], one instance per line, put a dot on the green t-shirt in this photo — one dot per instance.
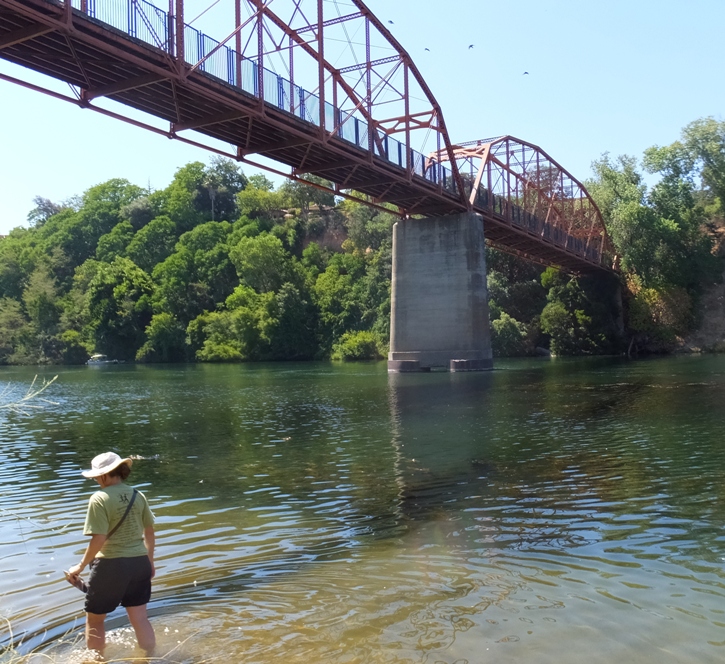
[106, 508]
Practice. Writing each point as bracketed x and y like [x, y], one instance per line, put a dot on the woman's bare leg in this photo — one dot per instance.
[95, 631]
[141, 625]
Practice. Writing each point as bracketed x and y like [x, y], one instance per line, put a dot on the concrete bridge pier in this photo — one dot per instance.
[439, 306]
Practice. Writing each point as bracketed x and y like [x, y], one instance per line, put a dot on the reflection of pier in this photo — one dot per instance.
[436, 457]
[462, 471]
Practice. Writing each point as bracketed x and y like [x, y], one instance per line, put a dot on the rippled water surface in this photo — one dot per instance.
[549, 511]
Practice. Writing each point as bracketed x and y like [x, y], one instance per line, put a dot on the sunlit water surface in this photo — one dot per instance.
[549, 511]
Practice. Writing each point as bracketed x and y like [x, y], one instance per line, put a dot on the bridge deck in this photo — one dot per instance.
[104, 61]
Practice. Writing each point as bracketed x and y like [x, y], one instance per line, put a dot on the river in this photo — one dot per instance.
[548, 511]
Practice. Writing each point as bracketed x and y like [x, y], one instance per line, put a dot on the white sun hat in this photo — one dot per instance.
[105, 463]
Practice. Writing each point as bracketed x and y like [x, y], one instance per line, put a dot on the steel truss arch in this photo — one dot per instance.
[525, 184]
[387, 93]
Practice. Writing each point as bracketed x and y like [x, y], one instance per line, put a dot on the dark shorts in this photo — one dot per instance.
[114, 581]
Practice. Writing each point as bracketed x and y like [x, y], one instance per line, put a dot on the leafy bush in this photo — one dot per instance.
[164, 340]
[660, 316]
[354, 346]
[219, 352]
[508, 336]
[74, 350]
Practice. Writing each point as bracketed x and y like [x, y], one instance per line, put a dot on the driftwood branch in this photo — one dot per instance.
[24, 404]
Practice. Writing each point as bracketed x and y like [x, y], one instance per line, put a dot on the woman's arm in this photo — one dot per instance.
[94, 546]
[149, 538]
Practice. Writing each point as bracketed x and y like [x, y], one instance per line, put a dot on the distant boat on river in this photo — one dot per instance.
[98, 358]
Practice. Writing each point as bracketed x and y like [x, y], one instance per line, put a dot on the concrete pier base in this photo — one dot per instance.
[439, 307]
[403, 366]
[470, 365]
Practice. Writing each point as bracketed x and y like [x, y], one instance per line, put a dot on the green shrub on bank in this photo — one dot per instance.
[508, 336]
[354, 346]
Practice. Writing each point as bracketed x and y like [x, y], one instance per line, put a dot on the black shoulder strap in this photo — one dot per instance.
[125, 514]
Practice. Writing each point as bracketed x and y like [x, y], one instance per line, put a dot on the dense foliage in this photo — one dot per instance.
[667, 239]
[667, 236]
[221, 267]
[216, 267]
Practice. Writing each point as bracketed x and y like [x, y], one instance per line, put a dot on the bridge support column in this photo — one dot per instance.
[439, 307]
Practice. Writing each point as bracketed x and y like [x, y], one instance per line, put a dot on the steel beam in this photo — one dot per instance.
[124, 86]
[209, 120]
[24, 34]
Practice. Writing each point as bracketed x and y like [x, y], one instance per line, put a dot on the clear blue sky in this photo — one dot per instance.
[611, 76]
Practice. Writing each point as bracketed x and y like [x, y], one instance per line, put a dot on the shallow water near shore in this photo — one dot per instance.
[549, 511]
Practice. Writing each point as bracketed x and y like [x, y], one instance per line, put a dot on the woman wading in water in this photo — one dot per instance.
[120, 553]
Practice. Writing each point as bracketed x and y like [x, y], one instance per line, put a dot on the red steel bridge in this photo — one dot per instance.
[320, 86]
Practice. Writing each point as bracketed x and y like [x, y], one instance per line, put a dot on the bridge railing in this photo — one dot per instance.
[152, 25]
[518, 216]
[137, 18]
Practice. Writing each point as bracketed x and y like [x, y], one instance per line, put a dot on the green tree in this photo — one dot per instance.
[218, 344]
[73, 348]
[261, 262]
[223, 180]
[119, 301]
[356, 346]
[687, 249]
[314, 260]
[704, 140]
[508, 336]
[114, 244]
[165, 340]
[184, 198]
[257, 201]
[141, 211]
[658, 317]
[659, 236]
[12, 269]
[292, 326]
[75, 315]
[42, 305]
[260, 181]
[198, 275]
[13, 327]
[153, 243]
[340, 297]
[579, 316]
[235, 334]
[302, 195]
[77, 232]
[368, 228]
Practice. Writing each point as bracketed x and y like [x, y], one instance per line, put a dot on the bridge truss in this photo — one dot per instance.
[326, 92]
[521, 184]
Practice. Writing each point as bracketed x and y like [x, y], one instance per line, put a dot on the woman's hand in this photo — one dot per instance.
[75, 570]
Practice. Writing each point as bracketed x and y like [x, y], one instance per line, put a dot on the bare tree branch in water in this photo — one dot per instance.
[22, 404]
